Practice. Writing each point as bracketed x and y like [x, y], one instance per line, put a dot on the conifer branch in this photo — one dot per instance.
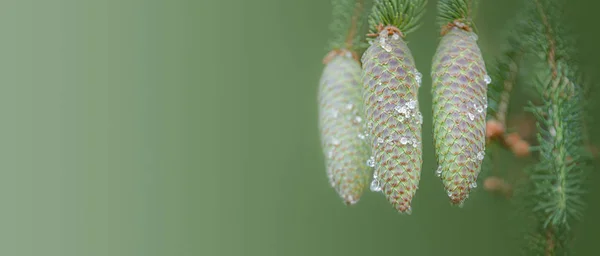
[456, 13]
[354, 23]
[556, 181]
[348, 20]
[397, 15]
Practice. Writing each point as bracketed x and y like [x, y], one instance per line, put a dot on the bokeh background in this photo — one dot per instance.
[185, 127]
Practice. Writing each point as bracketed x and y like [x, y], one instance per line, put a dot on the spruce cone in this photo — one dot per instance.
[459, 112]
[341, 121]
[391, 83]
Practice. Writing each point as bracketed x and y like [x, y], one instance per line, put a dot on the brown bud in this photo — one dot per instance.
[512, 139]
[494, 128]
[497, 185]
[521, 148]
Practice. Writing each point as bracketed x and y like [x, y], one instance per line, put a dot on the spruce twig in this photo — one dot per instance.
[348, 20]
[556, 181]
[399, 16]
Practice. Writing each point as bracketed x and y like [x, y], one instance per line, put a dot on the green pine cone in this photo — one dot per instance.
[459, 112]
[341, 121]
[391, 83]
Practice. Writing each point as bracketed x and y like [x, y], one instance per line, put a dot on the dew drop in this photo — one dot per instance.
[369, 125]
[361, 136]
[450, 194]
[474, 36]
[387, 47]
[357, 119]
[473, 185]
[471, 116]
[401, 110]
[438, 172]
[487, 79]
[403, 140]
[480, 155]
[419, 118]
[411, 104]
[371, 162]
[395, 36]
[335, 141]
[408, 211]
[375, 186]
[415, 143]
[379, 140]
[419, 77]
[335, 113]
[480, 109]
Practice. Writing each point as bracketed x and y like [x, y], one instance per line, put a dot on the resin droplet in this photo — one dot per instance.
[471, 116]
[375, 186]
[487, 79]
[379, 140]
[358, 119]
[361, 136]
[438, 172]
[395, 36]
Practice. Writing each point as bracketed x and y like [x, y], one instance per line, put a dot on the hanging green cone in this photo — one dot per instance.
[391, 84]
[341, 123]
[459, 102]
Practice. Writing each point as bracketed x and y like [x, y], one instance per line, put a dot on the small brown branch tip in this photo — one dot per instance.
[494, 129]
[340, 52]
[498, 185]
[391, 30]
[461, 24]
[513, 141]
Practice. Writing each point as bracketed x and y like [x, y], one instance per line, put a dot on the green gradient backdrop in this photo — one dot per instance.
[189, 128]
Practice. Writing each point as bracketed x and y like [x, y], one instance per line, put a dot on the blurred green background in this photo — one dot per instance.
[172, 127]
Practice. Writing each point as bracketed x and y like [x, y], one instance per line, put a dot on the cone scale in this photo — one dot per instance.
[391, 83]
[459, 112]
[341, 123]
